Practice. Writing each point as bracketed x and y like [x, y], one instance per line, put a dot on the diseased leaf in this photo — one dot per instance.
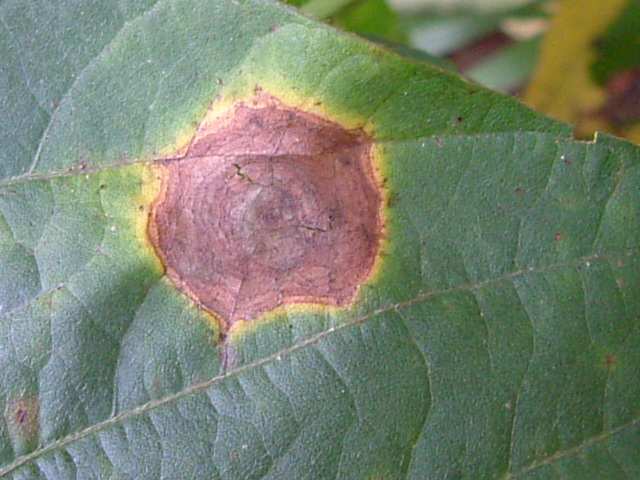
[496, 333]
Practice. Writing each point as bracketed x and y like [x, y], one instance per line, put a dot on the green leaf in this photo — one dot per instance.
[499, 336]
[618, 47]
[371, 18]
[484, 6]
[324, 8]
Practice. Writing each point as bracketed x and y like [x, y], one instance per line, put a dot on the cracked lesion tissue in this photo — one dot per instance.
[269, 205]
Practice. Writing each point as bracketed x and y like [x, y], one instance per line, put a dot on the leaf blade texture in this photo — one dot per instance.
[498, 338]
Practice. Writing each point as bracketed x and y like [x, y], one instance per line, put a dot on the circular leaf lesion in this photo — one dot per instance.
[269, 205]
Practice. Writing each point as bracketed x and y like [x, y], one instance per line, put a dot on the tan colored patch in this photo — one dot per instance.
[269, 206]
[22, 419]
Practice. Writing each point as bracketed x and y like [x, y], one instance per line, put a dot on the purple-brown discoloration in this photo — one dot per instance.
[22, 416]
[623, 100]
[22, 419]
[270, 205]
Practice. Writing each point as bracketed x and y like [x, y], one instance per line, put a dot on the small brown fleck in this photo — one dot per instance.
[610, 360]
[557, 237]
[21, 416]
[270, 205]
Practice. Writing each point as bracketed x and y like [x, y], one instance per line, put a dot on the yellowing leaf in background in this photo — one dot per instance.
[562, 85]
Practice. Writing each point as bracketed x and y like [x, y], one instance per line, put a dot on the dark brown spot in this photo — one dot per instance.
[21, 416]
[270, 205]
[24, 411]
[610, 360]
[557, 237]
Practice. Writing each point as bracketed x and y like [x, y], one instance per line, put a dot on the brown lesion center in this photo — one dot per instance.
[270, 205]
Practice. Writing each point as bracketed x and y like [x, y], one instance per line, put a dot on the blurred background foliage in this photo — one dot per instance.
[575, 60]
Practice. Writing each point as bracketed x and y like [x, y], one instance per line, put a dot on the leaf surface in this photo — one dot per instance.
[497, 338]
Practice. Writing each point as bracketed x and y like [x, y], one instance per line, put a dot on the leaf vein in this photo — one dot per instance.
[312, 340]
[74, 171]
[569, 452]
